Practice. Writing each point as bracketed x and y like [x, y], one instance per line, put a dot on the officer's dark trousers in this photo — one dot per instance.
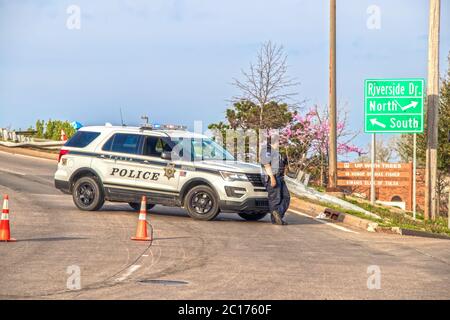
[279, 197]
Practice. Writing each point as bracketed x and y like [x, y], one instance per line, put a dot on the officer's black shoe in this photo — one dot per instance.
[276, 218]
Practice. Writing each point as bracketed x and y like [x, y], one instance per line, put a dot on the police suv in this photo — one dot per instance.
[167, 164]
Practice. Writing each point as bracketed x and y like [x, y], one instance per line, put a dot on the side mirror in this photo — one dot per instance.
[166, 155]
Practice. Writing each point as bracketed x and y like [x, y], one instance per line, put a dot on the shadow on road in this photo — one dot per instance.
[52, 239]
[171, 238]
[291, 218]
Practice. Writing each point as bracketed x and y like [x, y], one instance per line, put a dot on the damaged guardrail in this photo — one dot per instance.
[302, 190]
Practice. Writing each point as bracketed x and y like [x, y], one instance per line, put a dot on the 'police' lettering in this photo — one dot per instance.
[155, 176]
[132, 174]
[146, 175]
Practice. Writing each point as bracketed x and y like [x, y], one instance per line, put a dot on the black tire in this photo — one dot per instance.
[87, 194]
[137, 206]
[202, 203]
[250, 216]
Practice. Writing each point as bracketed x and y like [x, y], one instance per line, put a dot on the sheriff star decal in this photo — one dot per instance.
[169, 171]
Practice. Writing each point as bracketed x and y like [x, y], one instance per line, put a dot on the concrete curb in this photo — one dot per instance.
[348, 219]
[33, 144]
[314, 209]
[371, 226]
[417, 233]
[30, 153]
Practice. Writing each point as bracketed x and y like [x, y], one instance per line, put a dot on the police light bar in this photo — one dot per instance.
[163, 127]
[169, 127]
[175, 127]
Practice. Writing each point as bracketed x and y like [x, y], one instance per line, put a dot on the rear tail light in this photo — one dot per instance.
[62, 152]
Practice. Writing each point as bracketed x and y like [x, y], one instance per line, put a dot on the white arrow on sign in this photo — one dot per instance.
[413, 104]
[374, 121]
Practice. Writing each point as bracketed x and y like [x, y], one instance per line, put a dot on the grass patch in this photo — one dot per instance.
[398, 218]
[389, 217]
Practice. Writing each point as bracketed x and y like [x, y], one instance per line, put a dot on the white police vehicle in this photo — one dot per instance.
[169, 165]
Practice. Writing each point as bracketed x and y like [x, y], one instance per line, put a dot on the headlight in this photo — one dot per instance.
[233, 176]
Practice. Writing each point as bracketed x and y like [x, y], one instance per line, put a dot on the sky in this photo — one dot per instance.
[174, 60]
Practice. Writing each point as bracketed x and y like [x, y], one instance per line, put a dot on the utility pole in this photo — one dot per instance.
[332, 165]
[448, 210]
[431, 198]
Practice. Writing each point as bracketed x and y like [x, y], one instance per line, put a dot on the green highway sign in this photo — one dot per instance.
[393, 105]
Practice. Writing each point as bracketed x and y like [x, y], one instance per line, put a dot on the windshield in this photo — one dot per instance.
[199, 149]
[207, 149]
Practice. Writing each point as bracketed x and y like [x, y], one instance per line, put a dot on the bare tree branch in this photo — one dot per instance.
[267, 79]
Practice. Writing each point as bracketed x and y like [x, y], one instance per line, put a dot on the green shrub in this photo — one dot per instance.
[52, 129]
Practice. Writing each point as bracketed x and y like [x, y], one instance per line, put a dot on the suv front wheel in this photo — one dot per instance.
[201, 203]
[252, 216]
[87, 194]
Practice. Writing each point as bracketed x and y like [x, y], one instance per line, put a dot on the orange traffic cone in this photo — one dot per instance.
[63, 135]
[5, 233]
[141, 232]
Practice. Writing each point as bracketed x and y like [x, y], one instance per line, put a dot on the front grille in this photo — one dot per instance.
[255, 179]
[261, 203]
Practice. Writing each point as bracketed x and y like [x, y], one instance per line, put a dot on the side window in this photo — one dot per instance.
[82, 139]
[154, 146]
[159, 146]
[107, 146]
[123, 143]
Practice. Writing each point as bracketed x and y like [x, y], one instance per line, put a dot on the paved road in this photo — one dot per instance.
[224, 259]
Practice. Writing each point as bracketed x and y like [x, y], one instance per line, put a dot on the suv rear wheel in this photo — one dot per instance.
[87, 194]
[201, 203]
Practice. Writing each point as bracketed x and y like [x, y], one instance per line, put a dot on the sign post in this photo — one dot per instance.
[414, 204]
[393, 106]
[372, 171]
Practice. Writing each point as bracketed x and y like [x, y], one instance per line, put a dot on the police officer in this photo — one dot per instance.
[274, 166]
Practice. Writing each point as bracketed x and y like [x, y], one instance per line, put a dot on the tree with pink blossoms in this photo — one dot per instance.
[306, 140]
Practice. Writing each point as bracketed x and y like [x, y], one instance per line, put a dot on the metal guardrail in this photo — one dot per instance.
[12, 139]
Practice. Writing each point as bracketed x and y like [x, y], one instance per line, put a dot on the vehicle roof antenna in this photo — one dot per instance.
[121, 117]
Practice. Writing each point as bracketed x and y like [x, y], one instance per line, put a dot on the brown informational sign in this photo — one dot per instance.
[386, 174]
[393, 181]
